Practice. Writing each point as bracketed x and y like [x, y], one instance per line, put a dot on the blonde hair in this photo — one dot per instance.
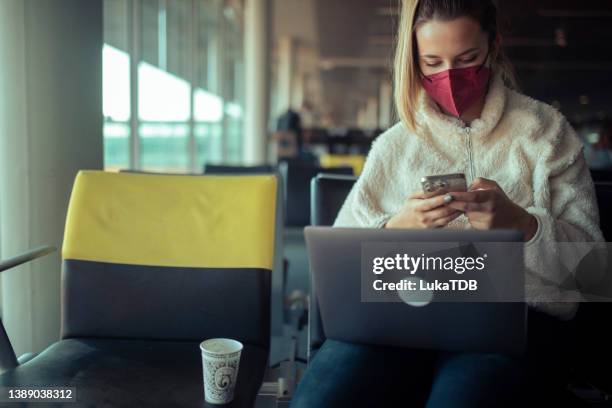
[407, 82]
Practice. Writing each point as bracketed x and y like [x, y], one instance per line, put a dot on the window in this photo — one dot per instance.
[187, 87]
[116, 85]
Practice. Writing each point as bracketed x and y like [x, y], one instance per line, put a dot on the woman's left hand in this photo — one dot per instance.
[487, 207]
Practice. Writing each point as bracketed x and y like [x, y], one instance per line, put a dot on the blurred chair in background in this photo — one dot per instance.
[328, 195]
[297, 177]
[223, 169]
[355, 161]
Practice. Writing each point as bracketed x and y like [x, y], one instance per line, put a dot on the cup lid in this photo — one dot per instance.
[221, 346]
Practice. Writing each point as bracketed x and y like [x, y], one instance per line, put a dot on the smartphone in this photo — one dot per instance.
[444, 183]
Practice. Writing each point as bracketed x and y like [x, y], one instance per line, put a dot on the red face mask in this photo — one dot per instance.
[457, 89]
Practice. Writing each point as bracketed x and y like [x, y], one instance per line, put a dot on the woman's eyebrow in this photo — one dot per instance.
[459, 55]
[468, 51]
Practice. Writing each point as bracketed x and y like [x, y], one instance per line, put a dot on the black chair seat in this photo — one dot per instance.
[133, 373]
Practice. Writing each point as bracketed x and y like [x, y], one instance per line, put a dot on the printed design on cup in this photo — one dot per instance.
[221, 376]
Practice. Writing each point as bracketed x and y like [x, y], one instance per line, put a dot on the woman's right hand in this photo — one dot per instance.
[423, 211]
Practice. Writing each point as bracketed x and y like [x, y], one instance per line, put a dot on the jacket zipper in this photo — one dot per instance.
[469, 156]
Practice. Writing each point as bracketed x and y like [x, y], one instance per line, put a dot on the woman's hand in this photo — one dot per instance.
[487, 207]
[423, 211]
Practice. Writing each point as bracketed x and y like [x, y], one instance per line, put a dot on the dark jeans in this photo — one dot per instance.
[353, 375]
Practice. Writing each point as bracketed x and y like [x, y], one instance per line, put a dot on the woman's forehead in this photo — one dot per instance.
[449, 38]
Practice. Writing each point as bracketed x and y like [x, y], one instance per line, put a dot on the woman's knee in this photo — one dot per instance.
[337, 370]
[346, 374]
[477, 380]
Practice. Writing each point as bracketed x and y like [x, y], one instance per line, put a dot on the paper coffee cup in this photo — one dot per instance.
[220, 361]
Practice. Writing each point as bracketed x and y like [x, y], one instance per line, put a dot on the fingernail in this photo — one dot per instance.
[448, 198]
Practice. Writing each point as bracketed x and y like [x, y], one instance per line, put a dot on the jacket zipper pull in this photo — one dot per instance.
[469, 155]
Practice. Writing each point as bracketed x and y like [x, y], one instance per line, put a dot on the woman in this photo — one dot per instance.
[524, 164]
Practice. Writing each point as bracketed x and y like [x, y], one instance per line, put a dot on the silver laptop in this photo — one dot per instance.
[335, 256]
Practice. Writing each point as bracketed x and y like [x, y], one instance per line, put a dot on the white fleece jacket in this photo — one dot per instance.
[526, 146]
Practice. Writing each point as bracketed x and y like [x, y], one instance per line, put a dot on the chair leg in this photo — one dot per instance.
[8, 359]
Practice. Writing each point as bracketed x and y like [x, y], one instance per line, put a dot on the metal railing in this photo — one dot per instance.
[8, 359]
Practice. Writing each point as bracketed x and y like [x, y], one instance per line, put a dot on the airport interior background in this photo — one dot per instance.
[210, 86]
